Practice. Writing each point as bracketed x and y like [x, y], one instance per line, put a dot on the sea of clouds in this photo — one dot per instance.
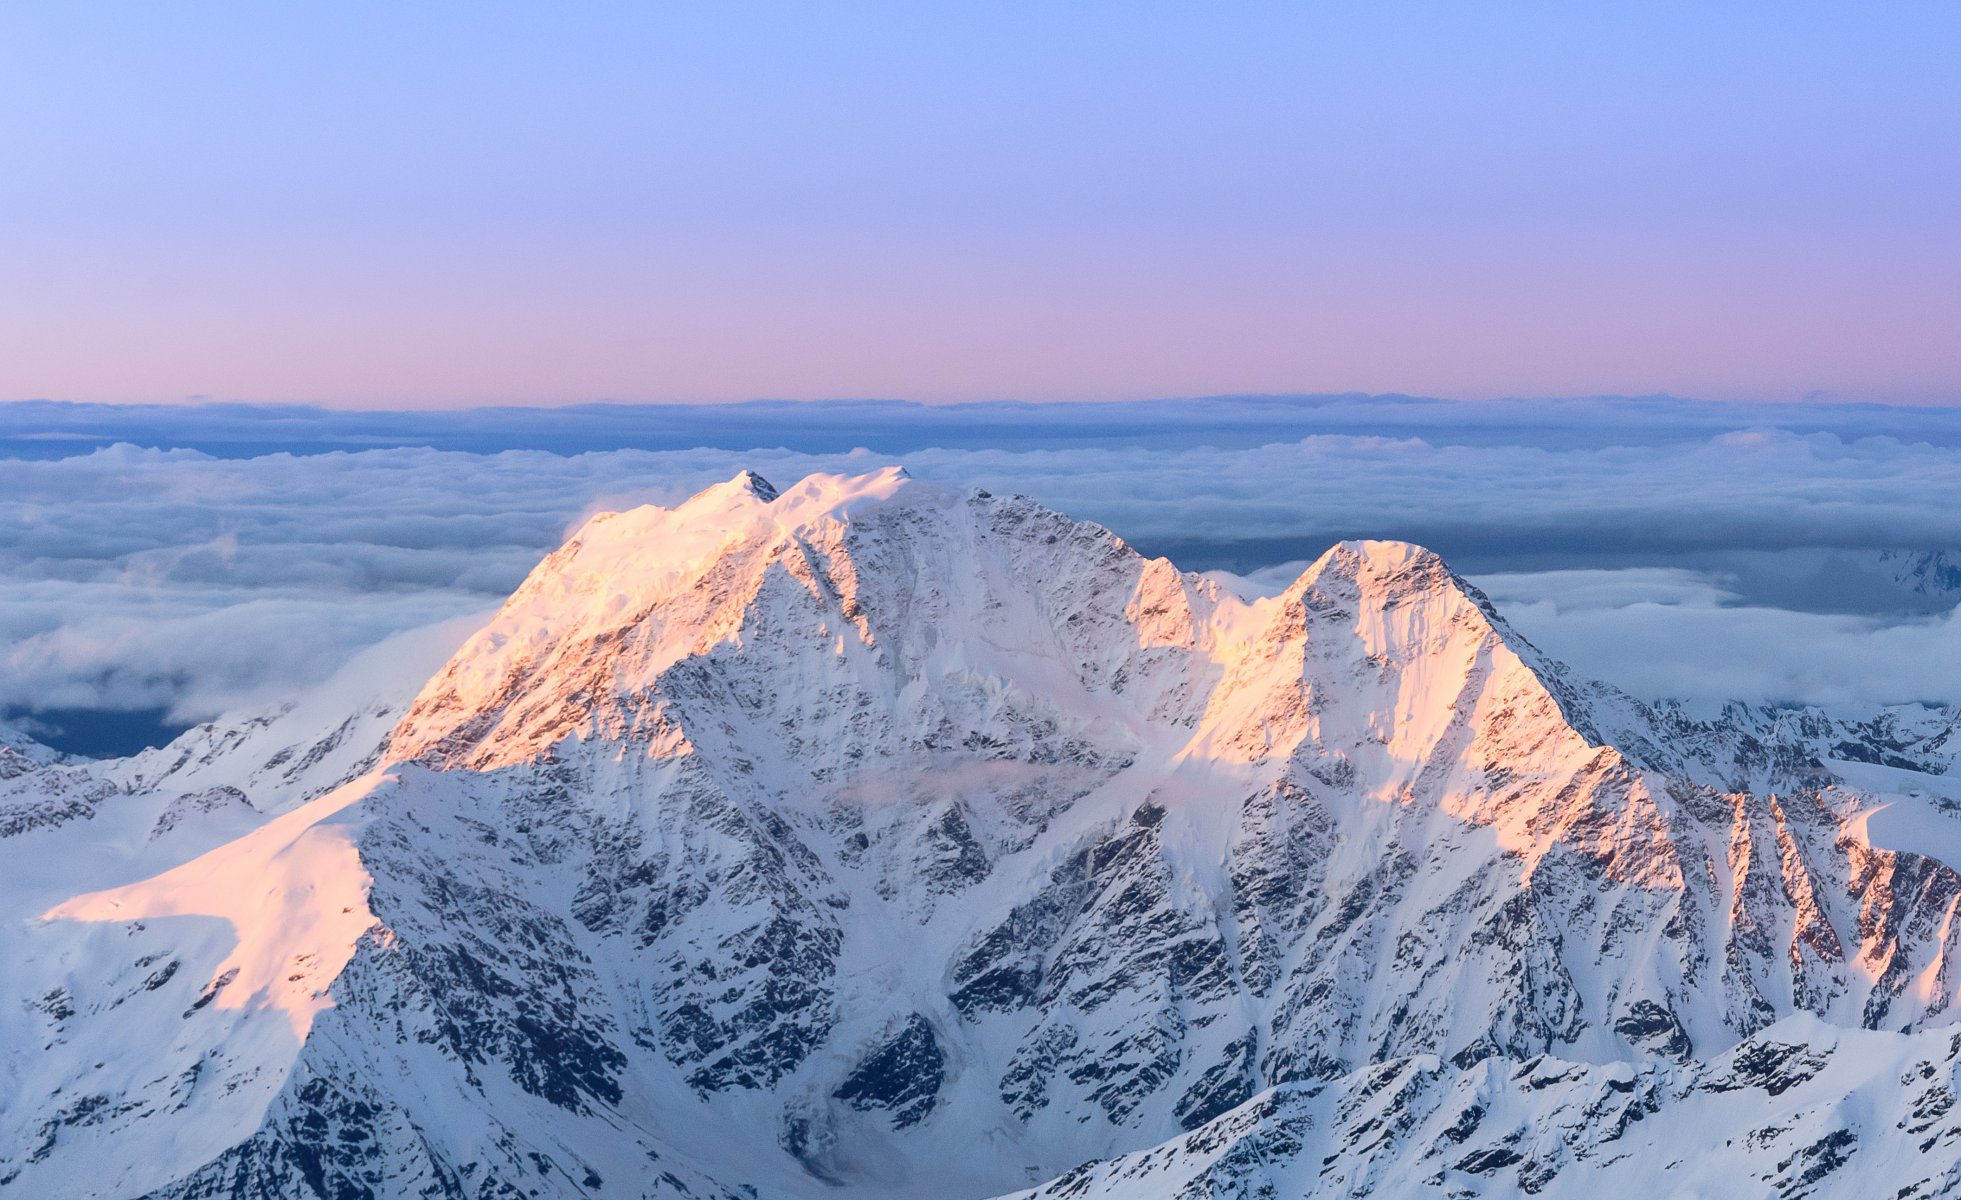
[1702, 552]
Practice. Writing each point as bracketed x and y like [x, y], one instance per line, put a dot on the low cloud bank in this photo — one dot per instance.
[1687, 638]
[147, 578]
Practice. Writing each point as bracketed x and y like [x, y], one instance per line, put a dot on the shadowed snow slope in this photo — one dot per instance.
[881, 837]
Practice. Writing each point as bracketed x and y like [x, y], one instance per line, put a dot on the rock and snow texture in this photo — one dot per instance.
[874, 839]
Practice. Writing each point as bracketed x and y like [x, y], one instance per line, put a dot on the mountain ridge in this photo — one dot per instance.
[864, 818]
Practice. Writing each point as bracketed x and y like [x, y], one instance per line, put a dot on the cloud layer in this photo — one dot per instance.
[141, 578]
[1686, 637]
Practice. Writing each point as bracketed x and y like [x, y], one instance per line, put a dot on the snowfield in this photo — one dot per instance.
[874, 839]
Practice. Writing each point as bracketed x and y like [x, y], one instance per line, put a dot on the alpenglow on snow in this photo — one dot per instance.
[876, 839]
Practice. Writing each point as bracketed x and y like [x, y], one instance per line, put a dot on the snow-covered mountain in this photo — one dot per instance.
[880, 840]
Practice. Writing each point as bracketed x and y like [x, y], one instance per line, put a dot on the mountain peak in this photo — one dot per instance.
[805, 503]
[1397, 563]
[1387, 573]
[818, 496]
[745, 508]
[873, 584]
[628, 596]
[744, 483]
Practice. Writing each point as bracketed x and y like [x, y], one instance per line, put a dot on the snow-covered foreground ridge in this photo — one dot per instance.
[873, 839]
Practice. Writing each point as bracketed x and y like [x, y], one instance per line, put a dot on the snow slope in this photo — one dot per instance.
[877, 837]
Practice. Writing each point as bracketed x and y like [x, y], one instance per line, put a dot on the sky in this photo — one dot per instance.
[435, 205]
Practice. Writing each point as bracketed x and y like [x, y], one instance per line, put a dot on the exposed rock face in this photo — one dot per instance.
[1763, 1119]
[876, 836]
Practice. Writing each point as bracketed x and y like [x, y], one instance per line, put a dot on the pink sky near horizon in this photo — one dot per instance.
[454, 206]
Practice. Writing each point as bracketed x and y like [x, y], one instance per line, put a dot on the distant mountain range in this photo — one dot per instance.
[877, 839]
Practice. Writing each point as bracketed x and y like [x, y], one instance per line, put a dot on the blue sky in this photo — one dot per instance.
[436, 205]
